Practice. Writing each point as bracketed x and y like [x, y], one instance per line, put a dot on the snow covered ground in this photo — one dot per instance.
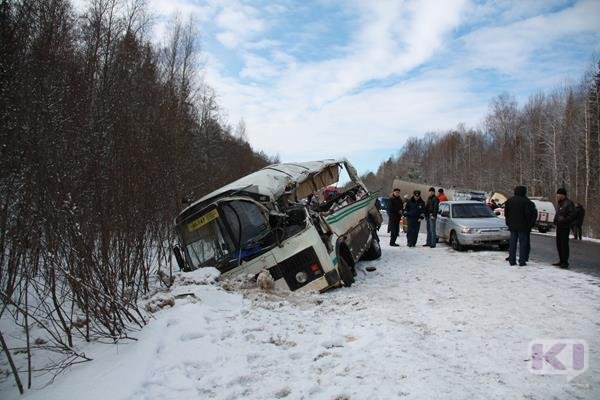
[429, 323]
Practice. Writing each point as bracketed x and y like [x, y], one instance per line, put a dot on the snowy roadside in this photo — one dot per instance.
[428, 323]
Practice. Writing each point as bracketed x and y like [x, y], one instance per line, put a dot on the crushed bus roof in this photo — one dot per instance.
[274, 180]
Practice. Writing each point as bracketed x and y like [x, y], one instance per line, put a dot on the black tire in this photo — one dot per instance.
[346, 272]
[503, 246]
[374, 250]
[454, 242]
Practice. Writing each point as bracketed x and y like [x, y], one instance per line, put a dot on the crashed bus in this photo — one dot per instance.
[277, 220]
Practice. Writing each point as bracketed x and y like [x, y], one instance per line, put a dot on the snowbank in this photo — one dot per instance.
[428, 323]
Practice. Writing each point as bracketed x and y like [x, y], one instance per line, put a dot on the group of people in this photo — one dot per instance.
[520, 214]
[415, 210]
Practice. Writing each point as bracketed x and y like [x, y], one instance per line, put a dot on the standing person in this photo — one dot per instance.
[413, 210]
[403, 223]
[578, 223]
[520, 215]
[564, 217]
[432, 207]
[441, 195]
[394, 210]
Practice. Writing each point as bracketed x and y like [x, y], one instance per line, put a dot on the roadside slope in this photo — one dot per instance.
[427, 323]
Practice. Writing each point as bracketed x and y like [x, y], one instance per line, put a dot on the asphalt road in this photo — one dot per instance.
[584, 255]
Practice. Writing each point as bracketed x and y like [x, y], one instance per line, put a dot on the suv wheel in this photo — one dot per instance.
[454, 242]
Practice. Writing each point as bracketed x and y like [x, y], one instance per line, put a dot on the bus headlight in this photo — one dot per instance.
[301, 277]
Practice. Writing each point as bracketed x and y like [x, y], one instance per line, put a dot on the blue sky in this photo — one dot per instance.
[324, 79]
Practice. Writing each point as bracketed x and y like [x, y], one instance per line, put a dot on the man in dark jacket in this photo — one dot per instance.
[520, 215]
[413, 211]
[432, 207]
[394, 210]
[578, 223]
[563, 219]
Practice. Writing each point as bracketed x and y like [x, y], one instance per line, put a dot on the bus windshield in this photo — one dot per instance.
[246, 221]
[235, 229]
[206, 241]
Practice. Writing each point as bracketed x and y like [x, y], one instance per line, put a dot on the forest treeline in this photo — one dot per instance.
[102, 134]
[551, 141]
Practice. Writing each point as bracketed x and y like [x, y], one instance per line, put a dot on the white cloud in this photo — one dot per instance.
[264, 44]
[303, 108]
[239, 24]
[168, 8]
[372, 119]
[276, 8]
[165, 10]
[509, 47]
[309, 103]
[228, 39]
[508, 11]
[376, 53]
[258, 68]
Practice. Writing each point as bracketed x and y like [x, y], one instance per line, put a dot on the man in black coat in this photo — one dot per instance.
[578, 223]
[414, 213]
[565, 215]
[432, 207]
[520, 215]
[394, 210]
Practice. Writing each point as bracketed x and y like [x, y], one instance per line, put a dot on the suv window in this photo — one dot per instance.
[444, 210]
[472, 211]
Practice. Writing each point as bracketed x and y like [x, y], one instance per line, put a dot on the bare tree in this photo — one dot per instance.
[102, 134]
[551, 141]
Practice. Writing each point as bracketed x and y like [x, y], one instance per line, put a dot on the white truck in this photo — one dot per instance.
[546, 212]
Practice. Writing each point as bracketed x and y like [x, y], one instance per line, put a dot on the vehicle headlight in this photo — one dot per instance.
[468, 230]
[301, 277]
[504, 228]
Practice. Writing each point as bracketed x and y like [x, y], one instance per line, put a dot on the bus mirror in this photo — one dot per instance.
[179, 258]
